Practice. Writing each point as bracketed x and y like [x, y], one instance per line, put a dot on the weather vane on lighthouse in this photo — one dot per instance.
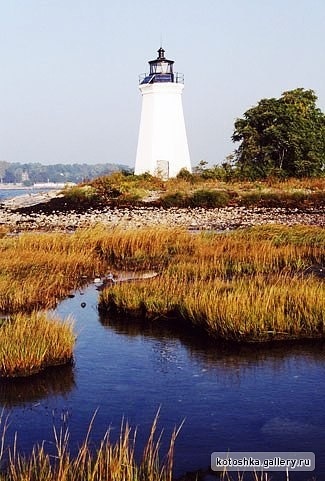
[162, 144]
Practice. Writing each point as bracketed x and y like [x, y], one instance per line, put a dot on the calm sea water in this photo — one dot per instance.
[237, 399]
[10, 193]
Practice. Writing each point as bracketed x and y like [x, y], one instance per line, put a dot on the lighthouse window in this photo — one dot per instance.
[161, 67]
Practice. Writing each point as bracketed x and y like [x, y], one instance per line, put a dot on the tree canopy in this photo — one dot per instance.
[284, 136]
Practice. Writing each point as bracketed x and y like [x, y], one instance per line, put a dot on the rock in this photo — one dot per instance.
[197, 218]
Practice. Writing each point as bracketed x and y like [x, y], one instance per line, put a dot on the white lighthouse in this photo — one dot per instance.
[162, 145]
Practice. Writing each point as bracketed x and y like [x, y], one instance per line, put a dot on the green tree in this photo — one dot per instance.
[284, 137]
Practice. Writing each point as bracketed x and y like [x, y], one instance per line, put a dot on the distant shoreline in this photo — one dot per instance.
[43, 185]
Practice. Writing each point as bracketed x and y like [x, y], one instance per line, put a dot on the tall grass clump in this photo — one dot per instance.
[147, 248]
[252, 309]
[37, 270]
[29, 344]
[255, 284]
[110, 461]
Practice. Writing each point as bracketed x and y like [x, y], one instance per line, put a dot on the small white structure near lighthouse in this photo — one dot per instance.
[162, 144]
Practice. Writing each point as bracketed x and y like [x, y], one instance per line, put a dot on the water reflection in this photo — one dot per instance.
[241, 398]
[236, 397]
[221, 357]
[52, 382]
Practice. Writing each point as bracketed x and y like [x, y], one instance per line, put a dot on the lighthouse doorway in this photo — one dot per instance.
[163, 169]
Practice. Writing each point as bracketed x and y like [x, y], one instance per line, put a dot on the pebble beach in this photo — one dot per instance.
[219, 219]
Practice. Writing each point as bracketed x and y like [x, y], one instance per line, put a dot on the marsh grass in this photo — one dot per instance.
[29, 344]
[247, 285]
[111, 461]
[241, 309]
[37, 270]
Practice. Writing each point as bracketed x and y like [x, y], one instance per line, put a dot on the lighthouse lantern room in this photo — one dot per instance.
[162, 144]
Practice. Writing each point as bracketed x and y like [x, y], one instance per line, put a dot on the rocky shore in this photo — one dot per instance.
[18, 219]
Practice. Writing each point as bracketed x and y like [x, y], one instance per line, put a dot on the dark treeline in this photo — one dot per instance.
[30, 173]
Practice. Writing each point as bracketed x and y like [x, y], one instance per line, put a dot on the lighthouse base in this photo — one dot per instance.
[162, 145]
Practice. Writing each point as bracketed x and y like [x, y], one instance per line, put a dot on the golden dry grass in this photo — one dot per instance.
[245, 285]
[37, 270]
[111, 461]
[29, 344]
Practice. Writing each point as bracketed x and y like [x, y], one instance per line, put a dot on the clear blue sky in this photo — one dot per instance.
[69, 70]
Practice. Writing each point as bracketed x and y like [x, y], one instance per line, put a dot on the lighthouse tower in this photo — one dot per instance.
[162, 144]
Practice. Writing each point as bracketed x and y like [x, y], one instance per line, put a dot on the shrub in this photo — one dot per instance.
[185, 174]
[83, 193]
[176, 199]
[209, 198]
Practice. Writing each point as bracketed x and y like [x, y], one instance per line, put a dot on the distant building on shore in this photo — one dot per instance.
[162, 144]
[24, 176]
[52, 185]
[39, 185]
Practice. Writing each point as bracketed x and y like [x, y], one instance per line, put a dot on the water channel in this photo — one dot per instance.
[237, 399]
